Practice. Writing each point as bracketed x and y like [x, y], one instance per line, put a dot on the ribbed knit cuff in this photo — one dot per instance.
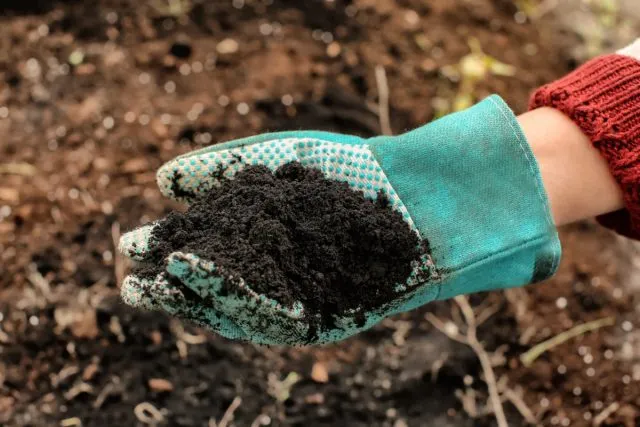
[603, 98]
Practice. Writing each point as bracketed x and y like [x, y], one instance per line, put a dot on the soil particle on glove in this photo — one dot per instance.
[296, 235]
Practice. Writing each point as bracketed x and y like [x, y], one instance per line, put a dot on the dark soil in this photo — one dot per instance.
[95, 132]
[295, 235]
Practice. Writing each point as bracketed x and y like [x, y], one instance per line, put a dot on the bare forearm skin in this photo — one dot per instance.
[576, 177]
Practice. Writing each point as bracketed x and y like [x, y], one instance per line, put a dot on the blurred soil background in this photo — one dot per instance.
[95, 95]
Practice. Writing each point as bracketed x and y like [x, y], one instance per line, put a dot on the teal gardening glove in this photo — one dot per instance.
[468, 183]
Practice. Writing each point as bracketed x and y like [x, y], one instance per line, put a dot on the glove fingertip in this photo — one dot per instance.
[135, 292]
[135, 244]
[199, 275]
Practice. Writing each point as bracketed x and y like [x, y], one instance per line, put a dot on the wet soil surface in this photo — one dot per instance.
[95, 96]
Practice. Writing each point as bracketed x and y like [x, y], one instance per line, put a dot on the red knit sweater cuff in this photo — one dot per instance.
[602, 98]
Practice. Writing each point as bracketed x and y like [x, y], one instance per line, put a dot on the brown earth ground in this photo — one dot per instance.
[95, 95]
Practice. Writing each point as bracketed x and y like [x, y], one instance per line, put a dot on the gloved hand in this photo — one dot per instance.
[468, 183]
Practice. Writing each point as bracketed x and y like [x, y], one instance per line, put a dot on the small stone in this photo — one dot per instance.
[243, 108]
[159, 128]
[412, 18]
[333, 49]
[287, 100]
[170, 87]
[160, 385]
[266, 29]
[185, 69]
[227, 46]
[108, 122]
[319, 373]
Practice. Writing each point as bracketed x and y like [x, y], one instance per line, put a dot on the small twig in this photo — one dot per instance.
[40, 283]
[519, 300]
[602, 416]
[71, 422]
[471, 339]
[383, 100]
[469, 315]
[261, 420]
[178, 330]
[498, 356]
[517, 401]
[437, 365]
[24, 169]
[117, 256]
[451, 332]
[532, 354]
[107, 391]
[228, 415]
[64, 374]
[148, 414]
[77, 389]
[468, 400]
[486, 312]
[485, 361]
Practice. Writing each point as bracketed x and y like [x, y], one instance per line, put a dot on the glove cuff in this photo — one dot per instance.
[601, 97]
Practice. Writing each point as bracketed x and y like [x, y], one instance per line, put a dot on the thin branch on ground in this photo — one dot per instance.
[519, 300]
[41, 285]
[517, 401]
[228, 414]
[483, 356]
[261, 420]
[471, 339]
[117, 257]
[532, 354]
[488, 310]
[468, 400]
[449, 329]
[437, 365]
[383, 100]
[608, 411]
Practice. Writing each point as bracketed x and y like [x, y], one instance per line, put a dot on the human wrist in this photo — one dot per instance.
[601, 98]
[575, 176]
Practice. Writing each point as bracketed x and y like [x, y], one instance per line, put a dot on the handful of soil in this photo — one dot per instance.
[296, 235]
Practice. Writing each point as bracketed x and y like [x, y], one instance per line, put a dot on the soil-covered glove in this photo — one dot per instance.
[468, 183]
